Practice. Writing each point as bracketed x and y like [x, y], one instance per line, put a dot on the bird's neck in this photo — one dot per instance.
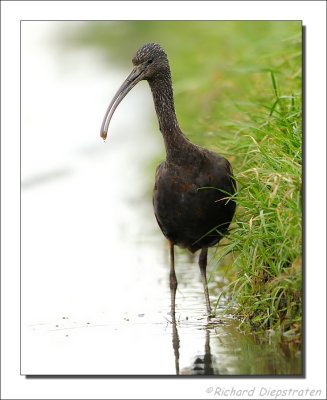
[162, 92]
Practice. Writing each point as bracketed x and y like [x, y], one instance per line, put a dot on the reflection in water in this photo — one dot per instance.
[229, 352]
[207, 359]
[175, 343]
[203, 363]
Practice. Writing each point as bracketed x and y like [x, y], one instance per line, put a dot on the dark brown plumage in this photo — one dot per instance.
[192, 185]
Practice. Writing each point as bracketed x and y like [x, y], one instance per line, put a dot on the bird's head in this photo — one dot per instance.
[149, 62]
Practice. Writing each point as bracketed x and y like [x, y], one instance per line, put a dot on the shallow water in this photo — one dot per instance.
[95, 293]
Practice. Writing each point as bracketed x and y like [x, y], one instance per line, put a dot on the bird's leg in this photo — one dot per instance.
[172, 279]
[203, 267]
[173, 287]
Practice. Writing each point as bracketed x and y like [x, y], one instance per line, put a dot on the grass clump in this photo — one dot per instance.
[265, 242]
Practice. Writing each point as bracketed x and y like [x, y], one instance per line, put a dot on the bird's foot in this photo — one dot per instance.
[210, 313]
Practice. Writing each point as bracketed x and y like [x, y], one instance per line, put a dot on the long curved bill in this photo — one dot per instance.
[133, 78]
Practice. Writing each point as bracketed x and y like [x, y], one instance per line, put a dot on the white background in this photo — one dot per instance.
[313, 15]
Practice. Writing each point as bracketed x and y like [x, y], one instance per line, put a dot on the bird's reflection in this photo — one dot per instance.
[202, 364]
[175, 343]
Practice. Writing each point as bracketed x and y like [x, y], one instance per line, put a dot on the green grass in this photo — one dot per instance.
[266, 241]
[238, 89]
[265, 244]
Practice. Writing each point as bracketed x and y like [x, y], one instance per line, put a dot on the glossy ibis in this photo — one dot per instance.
[191, 197]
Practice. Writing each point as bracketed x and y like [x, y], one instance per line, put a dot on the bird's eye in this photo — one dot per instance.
[149, 62]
